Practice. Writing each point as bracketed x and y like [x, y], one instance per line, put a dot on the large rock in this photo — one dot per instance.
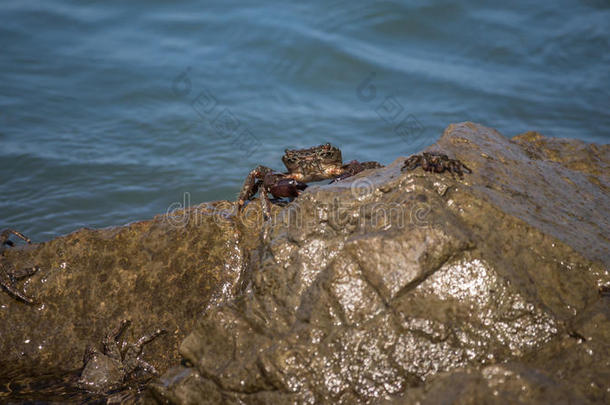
[161, 273]
[388, 286]
[411, 286]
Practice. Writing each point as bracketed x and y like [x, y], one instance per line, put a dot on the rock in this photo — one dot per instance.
[568, 370]
[389, 286]
[161, 273]
[411, 285]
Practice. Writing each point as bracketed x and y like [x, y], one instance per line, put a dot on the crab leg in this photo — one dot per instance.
[149, 368]
[148, 338]
[265, 204]
[412, 162]
[110, 340]
[133, 352]
[88, 355]
[251, 185]
[4, 237]
[23, 273]
[9, 286]
[354, 167]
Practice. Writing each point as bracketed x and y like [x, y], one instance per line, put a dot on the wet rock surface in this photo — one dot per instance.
[396, 286]
[161, 273]
[414, 286]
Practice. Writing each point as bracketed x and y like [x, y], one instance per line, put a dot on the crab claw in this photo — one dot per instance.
[287, 188]
[4, 237]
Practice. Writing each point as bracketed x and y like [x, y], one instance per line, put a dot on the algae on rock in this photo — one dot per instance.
[161, 273]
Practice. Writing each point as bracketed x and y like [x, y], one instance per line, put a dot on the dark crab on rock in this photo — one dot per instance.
[10, 275]
[436, 162]
[107, 370]
[321, 162]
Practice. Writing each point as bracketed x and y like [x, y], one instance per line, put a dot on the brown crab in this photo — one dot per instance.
[105, 371]
[321, 162]
[8, 274]
[436, 162]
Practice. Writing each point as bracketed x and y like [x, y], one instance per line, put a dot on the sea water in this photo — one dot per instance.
[116, 112]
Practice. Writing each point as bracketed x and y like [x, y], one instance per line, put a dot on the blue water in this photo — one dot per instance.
[111, 112]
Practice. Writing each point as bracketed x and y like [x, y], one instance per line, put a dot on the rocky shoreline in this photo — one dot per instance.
[397, 286]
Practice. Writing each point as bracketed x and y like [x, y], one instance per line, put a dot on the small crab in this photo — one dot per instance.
[321, 162]
[8, 274]
[105, 371]
[436, 162]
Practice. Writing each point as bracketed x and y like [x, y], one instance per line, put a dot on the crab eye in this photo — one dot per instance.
[290, 159]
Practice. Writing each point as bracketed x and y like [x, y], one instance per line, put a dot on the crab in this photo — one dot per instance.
[436, 162]
[317, 163]
[110, 369]
[8, 274]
